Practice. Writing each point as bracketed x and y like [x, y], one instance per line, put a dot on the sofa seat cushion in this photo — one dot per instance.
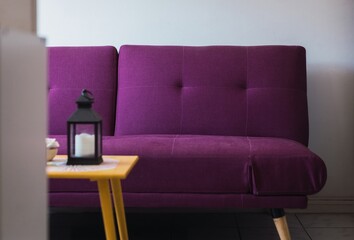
[175, 164]
[285, 167]
[212, 164]
[185, 164]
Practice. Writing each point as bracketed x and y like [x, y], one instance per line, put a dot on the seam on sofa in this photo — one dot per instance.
[278, 88]
[249, 147]
[173, 144]
[246, 130]
[115, 89]
[250, 167]
[227, 87]
[181, 96]
[80, 88]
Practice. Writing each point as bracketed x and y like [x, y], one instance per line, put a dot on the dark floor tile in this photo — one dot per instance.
[254, 220]
[150, 219]
[76, 226]
[147, 233]
[263, 220]
[59, 233]
[204, 220]
[208, 233]
[331, 233]
[327, 220]
[271, 234]
[293, 221]
[265, 233]
[299, 234]
[202, 225]
[74, 219]
[76, 232]
[88, 233]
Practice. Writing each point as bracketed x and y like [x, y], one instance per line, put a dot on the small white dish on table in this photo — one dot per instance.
[52, 148]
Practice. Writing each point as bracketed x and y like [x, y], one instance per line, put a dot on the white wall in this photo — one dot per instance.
[23, 125]
[324, 27]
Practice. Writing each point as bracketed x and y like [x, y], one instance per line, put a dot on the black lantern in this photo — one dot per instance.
[84, 133]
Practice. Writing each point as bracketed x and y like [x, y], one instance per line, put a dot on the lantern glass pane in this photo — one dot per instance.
[84, 140]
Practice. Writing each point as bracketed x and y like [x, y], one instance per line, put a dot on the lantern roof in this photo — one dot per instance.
[85, 100]
[84, 112]
[85, 115]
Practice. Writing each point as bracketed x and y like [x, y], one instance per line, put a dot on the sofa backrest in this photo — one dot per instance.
[70, 69]
[213, 90]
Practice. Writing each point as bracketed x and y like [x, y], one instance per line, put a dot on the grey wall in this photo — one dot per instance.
[324, 27]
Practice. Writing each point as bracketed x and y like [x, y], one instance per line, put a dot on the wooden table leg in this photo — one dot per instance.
[119, 208]
[280, 222]
[106, 207]
[282, 228]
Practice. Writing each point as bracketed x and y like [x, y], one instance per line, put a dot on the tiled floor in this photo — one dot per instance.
[67, 225]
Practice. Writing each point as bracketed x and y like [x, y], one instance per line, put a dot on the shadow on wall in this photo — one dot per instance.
[331, 113]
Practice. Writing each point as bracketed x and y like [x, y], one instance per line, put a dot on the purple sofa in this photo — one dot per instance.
[215, 126]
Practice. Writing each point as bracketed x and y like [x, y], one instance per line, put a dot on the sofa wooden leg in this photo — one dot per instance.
[281, 224]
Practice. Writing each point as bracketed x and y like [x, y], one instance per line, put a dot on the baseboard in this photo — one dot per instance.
[327, 205]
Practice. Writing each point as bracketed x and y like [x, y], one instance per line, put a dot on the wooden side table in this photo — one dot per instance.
[112, 170]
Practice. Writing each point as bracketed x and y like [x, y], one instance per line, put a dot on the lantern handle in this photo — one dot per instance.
[87, 94]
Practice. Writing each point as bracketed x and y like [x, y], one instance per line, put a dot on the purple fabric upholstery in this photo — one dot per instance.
[169, 163]
[219, 126]
[214, 164]
[285, 167]
[70, 69]
[185, 163]
[218, 90]
[219, 164]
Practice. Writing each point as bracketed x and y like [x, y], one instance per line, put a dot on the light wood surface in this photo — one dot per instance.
[282, 227]
[103, 178]
[124, 166]
[119, 207]
[107, 210]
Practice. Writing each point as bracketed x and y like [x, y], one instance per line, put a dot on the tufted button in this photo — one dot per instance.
[179, 84]
[241, 86]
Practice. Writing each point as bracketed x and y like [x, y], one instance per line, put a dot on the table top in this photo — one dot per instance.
[120, 170]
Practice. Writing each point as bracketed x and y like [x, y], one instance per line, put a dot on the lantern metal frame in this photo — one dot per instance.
[84, 116]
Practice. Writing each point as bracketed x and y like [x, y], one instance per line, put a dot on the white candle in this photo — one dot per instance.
[84, 145]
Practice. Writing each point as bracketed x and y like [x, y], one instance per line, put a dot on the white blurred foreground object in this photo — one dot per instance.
[52, 148]
[23, 91]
